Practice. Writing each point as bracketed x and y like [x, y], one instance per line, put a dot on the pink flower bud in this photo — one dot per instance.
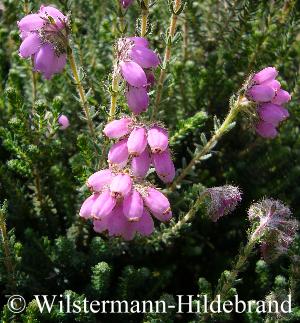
[145, 225]
[117, 128]
[267, 74]
[103, 205]
[133, 206]
[87, 206]
[158, 139]
[64, 122]
[133, 74]
[137, 141]
[98, 180]
[272, 113]
[120, 185]
[281, 97]
[164, 166]
[266, 130]
[144, 56]
[137, 99]
[118, 152]
[158, 204]
[261, 93]
[140, 165]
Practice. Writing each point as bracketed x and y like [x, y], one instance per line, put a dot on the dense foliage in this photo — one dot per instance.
[49, 249]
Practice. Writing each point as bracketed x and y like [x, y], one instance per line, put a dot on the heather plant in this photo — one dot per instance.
[149, 149]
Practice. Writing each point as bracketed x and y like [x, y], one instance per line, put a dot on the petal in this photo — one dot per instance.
[98, 180]
[133, 74]
[267, 74]
[120, 185]
[87, 206]
[118, 152]
[137, 99]
[158, 139]
[266, 130]
[144, 56]
[137, 141]
[44, 61]
[140, 165]
[261, 93]
[272, 113]
[133, 206]
[31, 22]
[30, 45]
[100, 225]
[117, 128]
[145, 226]
[59, 63]
[281, 97]
[103, 205]
[164, 166]
[140, 41]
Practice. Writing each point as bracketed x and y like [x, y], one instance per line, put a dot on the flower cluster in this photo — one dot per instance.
[135, 63]
[276, 229]
[223, 200]
[266, 92]
[121, 205]
[43, 40]
[141, 145]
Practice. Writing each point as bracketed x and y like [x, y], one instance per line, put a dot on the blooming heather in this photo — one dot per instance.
[135, 63]
[43, 40]
[223, 200]
[275, 228]
[121, 205]
[142, 145]
[266, 92]
[64, 122]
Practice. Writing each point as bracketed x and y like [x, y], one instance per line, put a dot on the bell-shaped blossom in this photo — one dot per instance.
[87, 206]
[223, 200]
[164, 166]
[140, 165]
[145, 226]
[118, 152]
[137, 99]
[133, 74]
[266, 130]
[158, 139]
[266, 92]
[98, 180]
[144, 56]
[275, 227]
[117, 128]
[103, 205]
[64, 122]
[120, 185]
[158, 204]
[137, 141]
[133, 206]
[139, 41]
[272, 113]
[42, 42]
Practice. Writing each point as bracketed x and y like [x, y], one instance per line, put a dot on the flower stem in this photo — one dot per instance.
[210, 144]
[114, 96]
[145, 14]
[172, 231]
[167, 56]
[81, 92]
[7, 259]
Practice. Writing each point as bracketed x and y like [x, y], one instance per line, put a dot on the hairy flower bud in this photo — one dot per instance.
[223, 200]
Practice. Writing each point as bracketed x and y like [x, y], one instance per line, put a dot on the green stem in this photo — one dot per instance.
[211, 143]
[7, 259]
[167, 56]
[81, 92]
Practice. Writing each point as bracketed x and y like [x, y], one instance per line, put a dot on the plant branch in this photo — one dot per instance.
[211, 143]
[144, 19]
[172, 29]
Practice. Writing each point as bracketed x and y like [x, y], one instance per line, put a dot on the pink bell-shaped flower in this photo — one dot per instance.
[137, 141]
[140, 165]
[118, 152]
[103, 205]
[164, 166]
[158, 139]
[98, 180]
[133, 206]
[117, 128]
[120, 185]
